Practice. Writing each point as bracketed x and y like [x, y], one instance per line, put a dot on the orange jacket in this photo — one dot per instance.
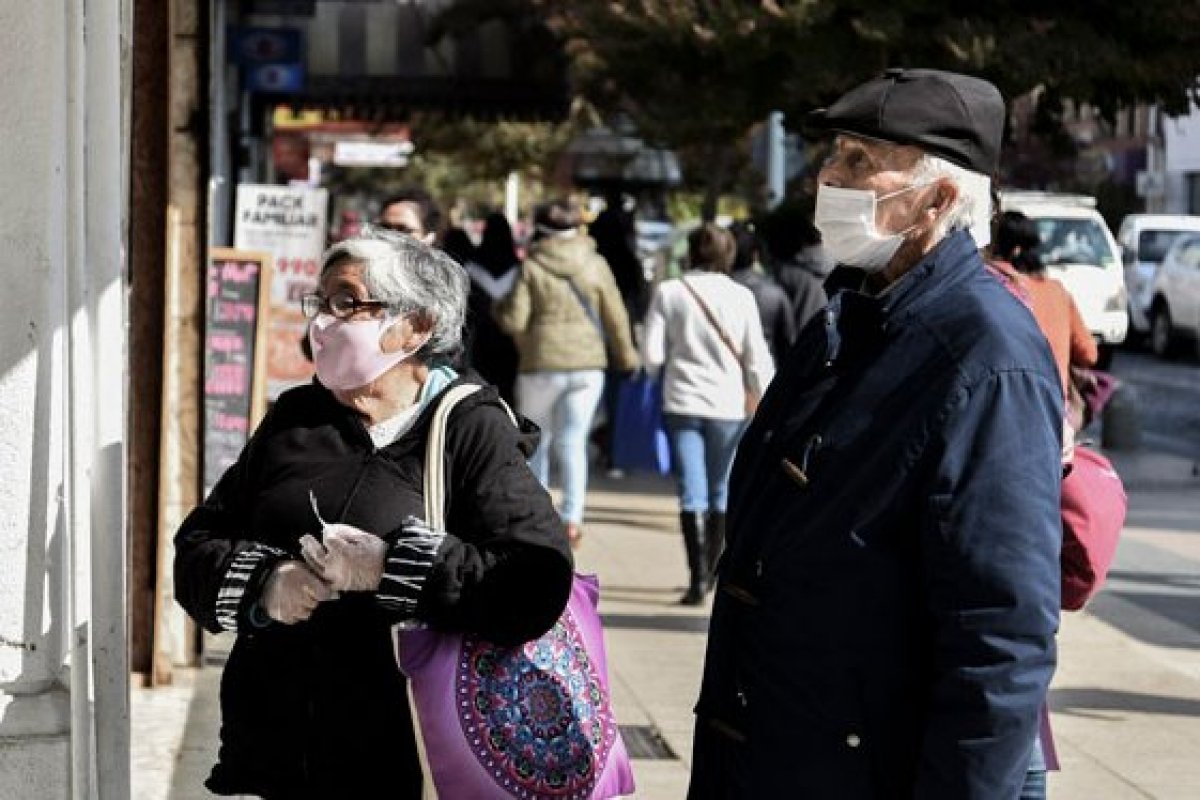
[1058, 317]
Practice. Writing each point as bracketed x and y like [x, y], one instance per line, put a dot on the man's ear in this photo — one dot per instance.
[944, 197]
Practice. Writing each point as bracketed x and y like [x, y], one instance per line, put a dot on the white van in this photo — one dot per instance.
[1145, 240]
[1079, 250]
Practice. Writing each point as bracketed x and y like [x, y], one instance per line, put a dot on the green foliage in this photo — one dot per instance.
[695, 75]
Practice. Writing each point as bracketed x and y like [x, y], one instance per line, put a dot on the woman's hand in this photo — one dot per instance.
[348, 559]
[292, 593]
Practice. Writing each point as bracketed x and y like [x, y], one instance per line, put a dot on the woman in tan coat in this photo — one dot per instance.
[566, 316]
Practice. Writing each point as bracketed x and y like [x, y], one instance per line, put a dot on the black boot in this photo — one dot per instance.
[714, 543]
[692, 523]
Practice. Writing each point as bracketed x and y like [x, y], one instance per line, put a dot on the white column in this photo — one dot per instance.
[63, 657]
[776, 165]
[512, 197]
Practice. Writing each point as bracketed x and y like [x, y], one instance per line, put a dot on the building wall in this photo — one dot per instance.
[63, 664]
[1181, 140]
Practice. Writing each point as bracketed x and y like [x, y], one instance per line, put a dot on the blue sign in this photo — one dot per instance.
[277, 78]
[249, 46]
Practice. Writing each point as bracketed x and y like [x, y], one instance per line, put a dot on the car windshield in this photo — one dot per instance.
[1153, 245]
[1074, 241]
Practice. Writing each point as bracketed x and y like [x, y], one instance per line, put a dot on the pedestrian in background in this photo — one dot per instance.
[1015, 258]
[774, 307]
[312, 702]
[567, 317]
[703, 331]
[411, 211]
[885, 619]
[613, 232]
[493, 270]
[798, 259]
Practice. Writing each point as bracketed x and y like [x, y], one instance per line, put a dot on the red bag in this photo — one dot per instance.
[1093, 513]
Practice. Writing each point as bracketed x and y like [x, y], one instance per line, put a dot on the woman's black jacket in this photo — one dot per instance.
[318, 709]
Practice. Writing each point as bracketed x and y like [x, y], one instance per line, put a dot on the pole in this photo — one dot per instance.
[775, 159]
[512, 193]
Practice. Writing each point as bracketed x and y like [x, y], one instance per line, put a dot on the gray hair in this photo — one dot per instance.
[972, 209]
[412, 278]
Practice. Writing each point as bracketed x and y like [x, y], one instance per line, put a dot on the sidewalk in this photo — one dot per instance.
[1126, 713]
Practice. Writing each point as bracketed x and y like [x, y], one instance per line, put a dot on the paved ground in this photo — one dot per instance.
[1126, 698]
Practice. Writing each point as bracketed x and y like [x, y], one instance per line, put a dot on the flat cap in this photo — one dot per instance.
[956, 117]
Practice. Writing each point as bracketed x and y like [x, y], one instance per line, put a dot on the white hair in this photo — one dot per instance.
[971, 210]
[412, 278]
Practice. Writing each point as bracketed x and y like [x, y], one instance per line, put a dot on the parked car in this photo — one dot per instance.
[1079, 250]
[1175, 299]
[1145, 240]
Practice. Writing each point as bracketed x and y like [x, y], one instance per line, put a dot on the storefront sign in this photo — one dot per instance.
[289, 223]
[236, 288]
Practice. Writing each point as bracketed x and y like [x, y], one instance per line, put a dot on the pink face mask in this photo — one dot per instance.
[347, 353]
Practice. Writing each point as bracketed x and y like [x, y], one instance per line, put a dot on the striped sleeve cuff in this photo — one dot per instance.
[409, 561]
[237, 579]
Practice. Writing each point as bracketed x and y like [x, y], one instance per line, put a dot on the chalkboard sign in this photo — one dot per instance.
[236, 289]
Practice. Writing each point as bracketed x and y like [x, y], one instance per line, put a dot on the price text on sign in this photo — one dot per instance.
[236, 297]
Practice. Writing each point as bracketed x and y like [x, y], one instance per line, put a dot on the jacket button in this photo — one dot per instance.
[853, 740]
[758, 568]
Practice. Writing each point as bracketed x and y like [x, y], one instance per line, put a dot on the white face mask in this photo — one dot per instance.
[846, 219]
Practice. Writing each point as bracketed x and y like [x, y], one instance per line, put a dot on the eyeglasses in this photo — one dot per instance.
[342, 305]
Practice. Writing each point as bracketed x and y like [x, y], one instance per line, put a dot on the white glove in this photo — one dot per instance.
[348, 559]
[292, 592]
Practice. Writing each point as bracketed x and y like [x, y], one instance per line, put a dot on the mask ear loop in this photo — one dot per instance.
[391, 316]
[878, 200]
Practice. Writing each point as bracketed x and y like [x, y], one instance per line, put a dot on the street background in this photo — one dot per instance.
[1125, 699]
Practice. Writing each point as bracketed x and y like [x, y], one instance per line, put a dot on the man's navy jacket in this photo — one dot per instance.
[885, 617]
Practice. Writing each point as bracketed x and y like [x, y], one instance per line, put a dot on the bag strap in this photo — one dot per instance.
[587, 307]
[435, 452]
[712, 319]
[581, 298]
[435, 455]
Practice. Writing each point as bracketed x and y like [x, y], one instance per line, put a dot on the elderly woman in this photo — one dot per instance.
[312, 702]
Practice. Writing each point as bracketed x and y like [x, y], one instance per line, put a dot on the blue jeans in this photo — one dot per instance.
[563, 404]
[701, 455]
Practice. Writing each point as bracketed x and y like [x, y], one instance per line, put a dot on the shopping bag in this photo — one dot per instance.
[533, 721]
[1093, 513]
[639, 441]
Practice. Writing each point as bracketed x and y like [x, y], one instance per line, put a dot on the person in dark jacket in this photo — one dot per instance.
[312, 703]
[774, 307]
[884, 621]
[493, 270]
[798, 260]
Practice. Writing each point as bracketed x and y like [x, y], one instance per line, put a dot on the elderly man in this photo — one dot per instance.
[885, 616]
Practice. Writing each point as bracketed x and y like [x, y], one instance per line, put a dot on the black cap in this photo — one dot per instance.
[956, 117]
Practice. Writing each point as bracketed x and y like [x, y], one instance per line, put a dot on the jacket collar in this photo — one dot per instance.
[947, 265]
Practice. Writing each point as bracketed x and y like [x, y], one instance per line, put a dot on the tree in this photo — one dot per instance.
[696, 74]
